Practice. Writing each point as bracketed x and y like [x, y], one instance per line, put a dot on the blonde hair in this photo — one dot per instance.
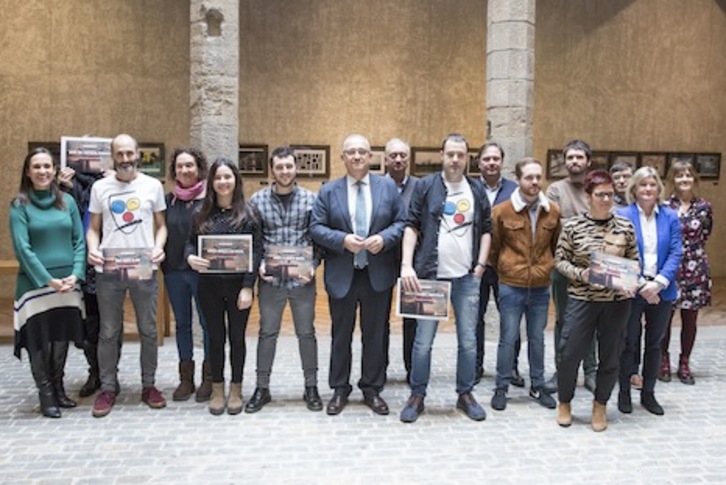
[678, 167]
[644, 173]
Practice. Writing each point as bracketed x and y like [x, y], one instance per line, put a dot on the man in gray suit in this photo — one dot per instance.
[397, 157]
[358, 219]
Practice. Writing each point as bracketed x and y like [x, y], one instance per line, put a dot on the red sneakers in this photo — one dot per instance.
[103, 404]
[153, 398]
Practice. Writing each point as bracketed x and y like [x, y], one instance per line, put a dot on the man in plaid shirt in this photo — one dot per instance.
[284, 211]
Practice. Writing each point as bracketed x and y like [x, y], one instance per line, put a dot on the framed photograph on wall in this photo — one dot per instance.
[681, 157]
[378, 160]
[555, 164]
[472, 166]
[708, 165]
[631, 158]
[657, 160]
[425, 160]
[313, 160]
[86, 154]
[600, 161]
[151, 159]
[253, 160]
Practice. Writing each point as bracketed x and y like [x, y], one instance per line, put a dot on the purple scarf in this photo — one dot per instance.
[189, 193]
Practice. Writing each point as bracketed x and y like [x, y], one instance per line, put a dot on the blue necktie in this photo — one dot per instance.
[360, 260]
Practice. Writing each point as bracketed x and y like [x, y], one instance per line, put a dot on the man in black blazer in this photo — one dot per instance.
[358, 219]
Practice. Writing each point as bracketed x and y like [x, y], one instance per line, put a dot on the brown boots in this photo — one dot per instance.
[204, 391]
[684, 372]
[564, 414]
[599, 416]
[234, 400]
[186, 381]
[217, 402]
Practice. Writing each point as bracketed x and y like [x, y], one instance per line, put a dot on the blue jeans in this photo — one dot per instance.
[514, 302]
[465, 300]
[181, 286]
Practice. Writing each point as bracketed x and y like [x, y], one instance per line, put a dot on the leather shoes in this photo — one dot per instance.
[647, 400]
[336, 404]
[258, 400]
[376, 403]
[625, 404]
[516, 380]
[312, 398]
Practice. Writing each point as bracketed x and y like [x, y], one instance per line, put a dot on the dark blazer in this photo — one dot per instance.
[670, 245]
[331, 222]
[505, 191]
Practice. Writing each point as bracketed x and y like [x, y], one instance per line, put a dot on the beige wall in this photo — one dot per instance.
[633, 75]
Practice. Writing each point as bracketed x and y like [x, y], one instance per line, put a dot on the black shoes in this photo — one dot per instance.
[543, 398]
[499, 400]
[93, 384]
[647, 400]
[337, 403]
[376, 403]
[312, 398]
[625, 404]
[516, 380]
[48, 406]
[258, 400]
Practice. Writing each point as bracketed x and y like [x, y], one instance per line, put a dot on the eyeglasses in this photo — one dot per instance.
[356, 151]
[395, 155]
[603, 195]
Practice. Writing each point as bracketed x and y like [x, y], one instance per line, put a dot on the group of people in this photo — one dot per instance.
[483, 235]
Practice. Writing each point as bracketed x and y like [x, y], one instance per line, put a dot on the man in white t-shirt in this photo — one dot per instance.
[447, 238]
[127, 212]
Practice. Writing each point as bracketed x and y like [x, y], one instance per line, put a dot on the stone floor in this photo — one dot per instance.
[286, 443]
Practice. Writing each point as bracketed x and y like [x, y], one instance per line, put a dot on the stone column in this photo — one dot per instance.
[510, 76]
[214, 77]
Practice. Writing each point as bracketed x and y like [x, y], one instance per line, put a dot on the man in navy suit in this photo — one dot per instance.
[358, 219]
[498, 189]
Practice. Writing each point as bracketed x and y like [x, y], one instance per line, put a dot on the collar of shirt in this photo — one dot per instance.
[352, 182]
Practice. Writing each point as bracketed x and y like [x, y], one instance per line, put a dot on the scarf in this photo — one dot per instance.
[189, 193]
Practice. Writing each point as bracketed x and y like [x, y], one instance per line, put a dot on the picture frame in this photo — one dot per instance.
[708, 165]
[600, 160]
[86, 154]
[425, 161]
[631, 158]
[252, 160]
[555, 164]
[378, 160]
[682, 157]
[312, 160]
[657, 160]
[152, 159]
[472, 166]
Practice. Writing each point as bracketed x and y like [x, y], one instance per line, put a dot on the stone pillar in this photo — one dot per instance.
[510, 76]
[214, 77]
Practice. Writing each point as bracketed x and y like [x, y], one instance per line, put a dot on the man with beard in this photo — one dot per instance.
[127, 212]
[284, 210]
[525, 230]
[397, 157]
[569, 195]
[358, 220]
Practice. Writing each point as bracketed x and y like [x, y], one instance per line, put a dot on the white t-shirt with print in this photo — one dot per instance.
[455, 231]
[127, 210]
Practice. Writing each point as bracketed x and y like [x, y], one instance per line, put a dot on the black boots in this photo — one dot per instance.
[93, 383]
[39, 366]
[59, 352]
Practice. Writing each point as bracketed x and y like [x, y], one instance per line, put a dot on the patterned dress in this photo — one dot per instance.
[694, 274]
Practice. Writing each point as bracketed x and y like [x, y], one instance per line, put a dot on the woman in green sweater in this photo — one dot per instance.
[48, 240]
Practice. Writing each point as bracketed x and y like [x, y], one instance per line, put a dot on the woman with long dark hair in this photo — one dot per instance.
[225, 294]
[188, 169]
[694, 273]
[48, 240]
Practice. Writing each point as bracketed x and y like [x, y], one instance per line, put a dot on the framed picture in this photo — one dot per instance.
[378, 160]
[313, 160]
[555, 164]
[708, 165]
[253, 160]
[657, 160]
[425, 160]
[600, 161]
[631, 158]
[682, 157]
[86, 154]
[472, 167]
[151, 159]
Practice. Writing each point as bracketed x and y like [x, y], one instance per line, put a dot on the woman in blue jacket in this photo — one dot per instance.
[658, 232]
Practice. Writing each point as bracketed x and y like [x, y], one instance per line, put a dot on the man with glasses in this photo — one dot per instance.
[397, 157]
[358, 220]
[569, 195]
[621, 173]
[447, 238]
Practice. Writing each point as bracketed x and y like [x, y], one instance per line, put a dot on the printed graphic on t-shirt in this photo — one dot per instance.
[125, 211]
[457, 213]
